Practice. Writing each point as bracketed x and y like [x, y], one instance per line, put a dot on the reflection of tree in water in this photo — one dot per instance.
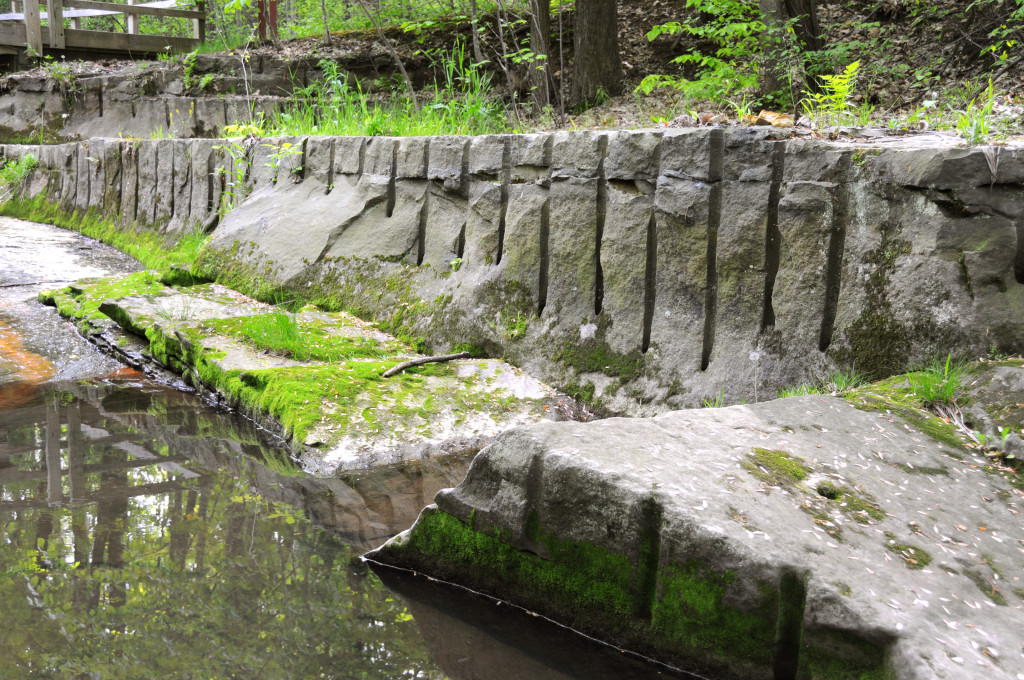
[124, 566]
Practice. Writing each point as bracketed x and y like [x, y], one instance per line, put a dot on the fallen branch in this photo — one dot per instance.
[398, 368]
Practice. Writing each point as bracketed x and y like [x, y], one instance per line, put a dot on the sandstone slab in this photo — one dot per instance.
[799, 538]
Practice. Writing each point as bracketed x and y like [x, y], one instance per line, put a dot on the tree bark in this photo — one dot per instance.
[540, 39]
[771, 71]
[807, 29]
[597, 66]
[776, 14]
[473, 22]
[327, 23]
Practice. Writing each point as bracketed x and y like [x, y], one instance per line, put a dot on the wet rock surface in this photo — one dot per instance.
[35, 344]
[801, 534]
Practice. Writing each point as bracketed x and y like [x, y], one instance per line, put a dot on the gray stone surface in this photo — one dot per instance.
[955, 616]
[704, 247]
[456, 409]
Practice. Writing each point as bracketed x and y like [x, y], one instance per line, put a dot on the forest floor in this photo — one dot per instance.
[923, 65]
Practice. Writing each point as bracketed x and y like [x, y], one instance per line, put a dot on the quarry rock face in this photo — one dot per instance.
[642, 270]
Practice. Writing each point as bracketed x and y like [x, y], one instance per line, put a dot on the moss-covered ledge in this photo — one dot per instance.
[314, 377]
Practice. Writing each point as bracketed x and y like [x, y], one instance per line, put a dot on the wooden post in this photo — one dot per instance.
[261, 9]
[55, 20]
[132, 21]
[33, 30]
[16, 6]
[76, 24]
[199, 25]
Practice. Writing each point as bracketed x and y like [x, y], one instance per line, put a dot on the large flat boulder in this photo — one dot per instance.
[799, 538]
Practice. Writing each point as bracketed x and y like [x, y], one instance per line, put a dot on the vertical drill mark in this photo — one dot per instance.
[330, 167]
[212, 176]
[299, 173]
[99, 96]
[392, 178]
[650, 277]
[174, 183]
[421, 233]
[602, 213]
[836, 245]
[506, 179]
[649, 557]
[135, 191]
[464, 171]
[362, 156]
[772, 236]
[1018, 260]
[460, 245]
[789, 625]
[717, 143]
[545, 230]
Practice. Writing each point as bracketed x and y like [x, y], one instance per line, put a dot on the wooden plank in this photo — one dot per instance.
[73, 14]
[154, 9]
[99, 41]
[56, 10]
[122, 42]
[199, 25]
[33, 29]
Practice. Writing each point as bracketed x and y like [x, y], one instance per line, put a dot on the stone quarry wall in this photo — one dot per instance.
[170, 99]
[646, 270]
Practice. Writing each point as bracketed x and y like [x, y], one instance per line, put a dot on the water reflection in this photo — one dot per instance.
[143, 534]
[136, 541]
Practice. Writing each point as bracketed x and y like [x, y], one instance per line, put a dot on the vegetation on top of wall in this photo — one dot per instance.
[13, 175]
[463, 103]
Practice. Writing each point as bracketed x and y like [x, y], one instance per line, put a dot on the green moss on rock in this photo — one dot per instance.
[683, 612]
[776, 468]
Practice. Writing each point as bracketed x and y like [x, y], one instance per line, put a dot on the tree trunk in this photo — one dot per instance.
[540, 39]
[327, 23]
[776, 14]
[477, 52]
[807, 29]
[597, 67]
[772, 73]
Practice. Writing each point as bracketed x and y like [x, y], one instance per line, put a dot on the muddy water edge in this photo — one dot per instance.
[143, 531]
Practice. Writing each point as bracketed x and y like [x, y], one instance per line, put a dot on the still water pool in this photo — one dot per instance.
[145, 534]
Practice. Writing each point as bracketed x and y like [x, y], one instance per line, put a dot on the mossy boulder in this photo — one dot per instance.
[803, 538]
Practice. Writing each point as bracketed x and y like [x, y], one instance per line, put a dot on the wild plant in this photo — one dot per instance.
[835, 383]
[938, 383]
[235, 173]
[975, 122]
[831, 106]
[462, 103]
[13, 174]
[717, 401]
